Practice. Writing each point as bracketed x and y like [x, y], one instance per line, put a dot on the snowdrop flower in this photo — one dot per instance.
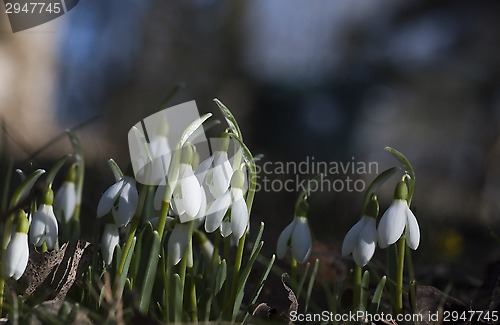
[110, 239]
[216, 212]
[399, 220]
[200, 173]
[44, 227]
[121, 198]
[361, 239]
[219, 177]
[65, 200]
[296, 236]
[178, 243]
[239, 210]
[187, 195]
[161, 153]
[16, 255]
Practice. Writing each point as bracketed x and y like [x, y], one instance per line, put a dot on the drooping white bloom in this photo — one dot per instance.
[398, 219]
[44, 227]
[202, 212]
[239, 213]
[297, 236]
[161, 153]
[219, 177]
[121, 198]
[178, 242]
[16, 255]
[110, 239]
[187, 196]
[216, 212]
[361, 240]
[65, 201]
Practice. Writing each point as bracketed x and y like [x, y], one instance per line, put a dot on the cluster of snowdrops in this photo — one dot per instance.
[190, 234]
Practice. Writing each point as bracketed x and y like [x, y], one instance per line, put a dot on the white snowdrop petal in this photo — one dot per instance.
[110, 239]
[13, 254]
[160, 147]
[203, 168]
[108, 198]
[65, 201]
[127, 204]
[392, 224]
[177, 243]
[23, 256]
[51, 228]
[44, 227]
[191, 195]
[220, 181]
[283, 240]
[37, 228]
[239, 218]
[358, 259]
[367, 242]
[412, 230]
[351, 238]
[301, 240]
[220, 174]
[216, 212]
[203, 204]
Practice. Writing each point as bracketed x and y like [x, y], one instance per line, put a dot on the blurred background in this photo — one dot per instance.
[329, 79]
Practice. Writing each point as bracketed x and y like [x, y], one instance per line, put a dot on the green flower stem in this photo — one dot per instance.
[183, 263]
[167, 278]
[399, 275]
[237, 267]
[357, 287]
[392, 257]
[192, 297]
[182, 275]
[163, 218]
[413, 282]
[75, 220]
[228, 289]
